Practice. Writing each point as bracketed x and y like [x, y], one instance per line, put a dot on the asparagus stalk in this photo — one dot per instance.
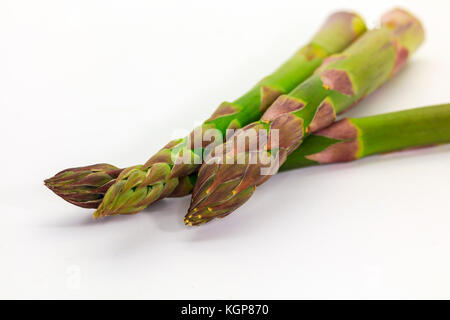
[354, 138]
[338, 84]
[137, 187]
[364, 137]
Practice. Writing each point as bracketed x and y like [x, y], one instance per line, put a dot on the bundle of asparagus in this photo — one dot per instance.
[380, 134]
[299, 102]
[138, 186]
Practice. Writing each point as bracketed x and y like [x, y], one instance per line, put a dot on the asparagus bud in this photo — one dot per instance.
[84, 186]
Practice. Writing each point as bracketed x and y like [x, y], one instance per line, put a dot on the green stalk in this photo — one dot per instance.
[342, 80]
[138, 186]
[368, 136]
[338, 32]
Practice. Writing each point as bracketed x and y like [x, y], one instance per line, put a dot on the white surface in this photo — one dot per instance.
[84, 82]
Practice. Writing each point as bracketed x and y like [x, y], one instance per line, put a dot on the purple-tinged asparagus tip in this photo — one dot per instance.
[205, 209]
[84, 186]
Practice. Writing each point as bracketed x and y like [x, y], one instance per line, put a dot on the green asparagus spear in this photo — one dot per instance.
[355, 138]
[339, 83]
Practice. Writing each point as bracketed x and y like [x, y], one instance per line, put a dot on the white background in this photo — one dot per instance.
[83, 82]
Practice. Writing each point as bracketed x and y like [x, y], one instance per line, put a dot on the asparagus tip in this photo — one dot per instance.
[83, 186]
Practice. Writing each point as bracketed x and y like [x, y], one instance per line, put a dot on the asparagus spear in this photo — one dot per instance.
[366, 136]
[354, 138]
[138, 186]
[339, 83]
